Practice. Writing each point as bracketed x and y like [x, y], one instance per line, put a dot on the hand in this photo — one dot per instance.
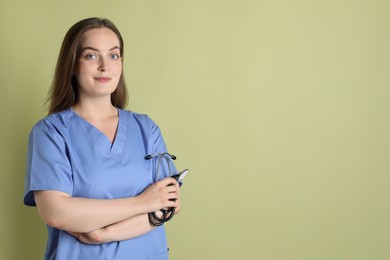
[94, 237]
[162, 194]
[178, 207]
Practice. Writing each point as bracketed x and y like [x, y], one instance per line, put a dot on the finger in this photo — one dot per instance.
[168, 181]
[172, 189]
[73, 233]
[171, 203]
[172, 195]
[177, 209]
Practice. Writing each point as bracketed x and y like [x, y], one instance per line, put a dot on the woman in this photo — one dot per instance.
[86, 167]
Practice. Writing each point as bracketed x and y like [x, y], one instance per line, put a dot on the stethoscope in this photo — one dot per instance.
[167, 214]
[168, 158]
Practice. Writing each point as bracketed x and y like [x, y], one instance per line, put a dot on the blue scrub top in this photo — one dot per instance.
[68, 154]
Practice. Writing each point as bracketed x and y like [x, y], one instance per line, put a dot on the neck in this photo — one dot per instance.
[95, 110]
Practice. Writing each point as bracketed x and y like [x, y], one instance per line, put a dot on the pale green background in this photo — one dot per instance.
[279, 108]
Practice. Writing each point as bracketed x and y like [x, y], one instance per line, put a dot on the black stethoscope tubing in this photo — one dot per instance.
[167, 214]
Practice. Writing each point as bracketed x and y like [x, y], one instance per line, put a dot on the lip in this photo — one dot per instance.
[103, 79]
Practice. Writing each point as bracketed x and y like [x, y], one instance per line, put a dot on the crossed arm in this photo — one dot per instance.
[100, 221]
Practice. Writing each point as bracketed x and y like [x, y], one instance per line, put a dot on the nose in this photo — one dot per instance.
[103, 65]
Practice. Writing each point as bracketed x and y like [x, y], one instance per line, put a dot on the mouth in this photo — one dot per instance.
[103, 79]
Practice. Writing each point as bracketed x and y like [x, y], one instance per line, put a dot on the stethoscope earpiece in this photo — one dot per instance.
[150, 156]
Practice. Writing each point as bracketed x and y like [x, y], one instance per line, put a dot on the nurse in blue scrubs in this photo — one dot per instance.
[86, 168]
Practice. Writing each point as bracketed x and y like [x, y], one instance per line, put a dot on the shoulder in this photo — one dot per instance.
[147, 128]
[54, 123]
[142, 119]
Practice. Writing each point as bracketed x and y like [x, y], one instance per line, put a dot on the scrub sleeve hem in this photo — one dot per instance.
[29, 199]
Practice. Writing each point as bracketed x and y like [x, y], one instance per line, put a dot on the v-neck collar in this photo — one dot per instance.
[120, 138]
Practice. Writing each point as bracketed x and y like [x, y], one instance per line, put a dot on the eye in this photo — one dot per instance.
[91, 56]
[115, 56]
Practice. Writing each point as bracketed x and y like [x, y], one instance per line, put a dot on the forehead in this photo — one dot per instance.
[99, 38]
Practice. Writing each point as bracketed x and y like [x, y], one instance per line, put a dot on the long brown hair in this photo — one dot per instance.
[63, 92]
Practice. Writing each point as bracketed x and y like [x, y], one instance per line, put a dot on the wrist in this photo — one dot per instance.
[104, 235]
[96, 237]
[140, 206]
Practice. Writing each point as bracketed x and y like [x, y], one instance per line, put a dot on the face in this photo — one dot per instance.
[99, 66]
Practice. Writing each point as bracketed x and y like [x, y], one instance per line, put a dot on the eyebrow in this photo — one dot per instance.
[94, 49]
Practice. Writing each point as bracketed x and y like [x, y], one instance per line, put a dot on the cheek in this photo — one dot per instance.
[79, 70]
[82, 73]
[118, 69]
[84, 67]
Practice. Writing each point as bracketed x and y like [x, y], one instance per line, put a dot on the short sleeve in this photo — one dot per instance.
[158, 141]
[166, 168]
[48, 166]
